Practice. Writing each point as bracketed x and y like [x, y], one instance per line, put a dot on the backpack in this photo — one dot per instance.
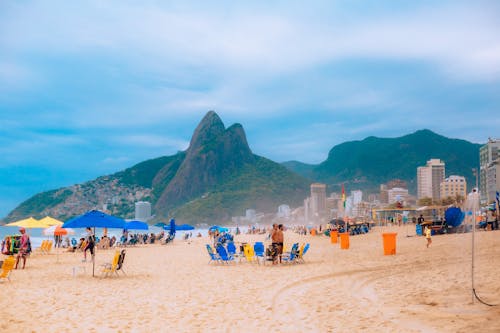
[29, 246]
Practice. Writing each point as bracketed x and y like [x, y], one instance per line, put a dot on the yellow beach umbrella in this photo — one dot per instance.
[50, 221]
[30, 222]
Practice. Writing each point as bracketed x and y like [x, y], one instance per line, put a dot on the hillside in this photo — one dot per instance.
[370, 162]
[217, 177]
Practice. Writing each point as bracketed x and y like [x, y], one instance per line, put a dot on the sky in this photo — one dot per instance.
[88, 88]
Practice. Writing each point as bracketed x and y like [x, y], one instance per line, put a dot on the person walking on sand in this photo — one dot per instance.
[24, 247]
[428, 235]
[90, 244]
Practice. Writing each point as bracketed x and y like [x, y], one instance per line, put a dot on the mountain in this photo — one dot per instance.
[373, 161]
[217, 177]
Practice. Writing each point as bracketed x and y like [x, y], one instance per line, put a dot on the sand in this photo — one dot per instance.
[172, 288]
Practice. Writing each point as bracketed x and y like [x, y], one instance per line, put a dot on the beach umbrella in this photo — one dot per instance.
[184, 227]
[454, 216]
[95, 219]
[28, 223]
[57, 230]
[51, 221]
[136, 225]
[220, 229]
[172, 227]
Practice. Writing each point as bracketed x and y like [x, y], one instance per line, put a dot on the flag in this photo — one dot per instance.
[343, 195]
[498, 203]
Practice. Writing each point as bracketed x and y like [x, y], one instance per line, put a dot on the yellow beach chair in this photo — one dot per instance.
[7, 267]
[116, 265]
[249, 252]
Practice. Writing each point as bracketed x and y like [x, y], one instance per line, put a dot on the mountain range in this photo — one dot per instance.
[218, 176]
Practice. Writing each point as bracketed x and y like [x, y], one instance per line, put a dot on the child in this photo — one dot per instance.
[428, 235]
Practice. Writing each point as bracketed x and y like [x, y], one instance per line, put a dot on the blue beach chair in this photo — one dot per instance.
[223, 254]
[290, 257]
[213, 256]
[259, 250]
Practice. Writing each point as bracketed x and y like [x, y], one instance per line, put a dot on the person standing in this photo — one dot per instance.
[90, 244]
[280, 240]
[24, 247]
[275, 243]
[428, 232]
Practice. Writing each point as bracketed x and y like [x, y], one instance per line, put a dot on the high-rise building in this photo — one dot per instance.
[489, 155]
[429, 179]
[142, 211]
[453, 186]
[398, 194]
[318, 199]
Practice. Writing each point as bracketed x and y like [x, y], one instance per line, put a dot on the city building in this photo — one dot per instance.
[318, 199]
[429, 179]
[492, 180]
[142, 211]
[284, 211]
[488, 164]
[398, 194]
[384, 194]
[453, 186]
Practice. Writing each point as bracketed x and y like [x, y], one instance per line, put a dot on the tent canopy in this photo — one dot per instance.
[95, 218]
[136, 225]
[51, 221]
[28, 223]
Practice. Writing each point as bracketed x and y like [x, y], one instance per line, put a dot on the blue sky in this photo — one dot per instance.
[90, 88]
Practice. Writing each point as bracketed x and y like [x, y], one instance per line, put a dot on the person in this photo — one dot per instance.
[24, 247]
[420, 219]
[428, 235]
[280, 241]
[274, 243]
[90, 244]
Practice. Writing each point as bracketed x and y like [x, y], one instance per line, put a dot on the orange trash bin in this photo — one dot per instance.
[389, 243]
[334, 235]
[344, 241]
[313, 232]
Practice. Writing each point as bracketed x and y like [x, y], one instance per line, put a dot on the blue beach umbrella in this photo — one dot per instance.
[220, 229]
[184, 227]
[95, 219]
[136, 225]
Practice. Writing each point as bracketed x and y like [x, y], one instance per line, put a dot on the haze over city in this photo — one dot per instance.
[89, 89]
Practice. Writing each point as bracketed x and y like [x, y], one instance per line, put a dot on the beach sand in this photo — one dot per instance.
[171, 288]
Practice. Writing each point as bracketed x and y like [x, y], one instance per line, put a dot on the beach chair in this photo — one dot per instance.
[223, 254]
[119, 267]
[259, 251]
[7, 267]
[110, 268]
[48, 247]
[290, 257]
[213, 256]
[303, 250]
[249, 252]
[231, 249]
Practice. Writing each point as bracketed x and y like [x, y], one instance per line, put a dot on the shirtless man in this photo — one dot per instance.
[280, 240]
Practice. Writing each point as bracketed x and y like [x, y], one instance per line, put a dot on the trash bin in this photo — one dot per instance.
[334, 235]
[344, 241]
[389, 243]
[313, 232]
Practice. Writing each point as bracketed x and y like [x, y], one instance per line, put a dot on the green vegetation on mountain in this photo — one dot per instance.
[373, 161]
[218, 176]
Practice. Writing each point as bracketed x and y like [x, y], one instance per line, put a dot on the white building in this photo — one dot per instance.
[142, 211]
[284, 211]
[453, 186]
[489, 156]
[397, 194]
[429, 179]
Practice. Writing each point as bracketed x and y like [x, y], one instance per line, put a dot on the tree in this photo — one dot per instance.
[425, 201]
